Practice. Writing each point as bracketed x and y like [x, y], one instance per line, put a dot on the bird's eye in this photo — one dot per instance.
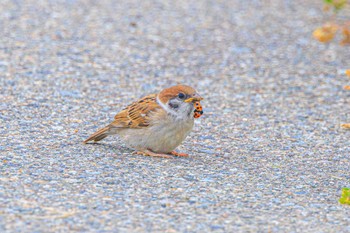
[181, 95]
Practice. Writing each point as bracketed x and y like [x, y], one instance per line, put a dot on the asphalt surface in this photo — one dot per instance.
[268, 155]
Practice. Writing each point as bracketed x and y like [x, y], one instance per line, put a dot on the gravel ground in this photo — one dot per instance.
[268, 155]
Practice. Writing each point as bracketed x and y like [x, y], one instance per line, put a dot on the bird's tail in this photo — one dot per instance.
[99, 135]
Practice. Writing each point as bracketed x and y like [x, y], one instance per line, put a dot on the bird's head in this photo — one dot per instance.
[178, 100]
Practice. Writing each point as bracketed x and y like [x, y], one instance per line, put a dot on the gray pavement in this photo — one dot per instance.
[268, 155]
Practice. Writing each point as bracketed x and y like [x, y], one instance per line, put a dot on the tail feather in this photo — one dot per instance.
[99, 135]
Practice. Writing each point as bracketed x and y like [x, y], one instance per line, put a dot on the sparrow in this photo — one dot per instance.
[157, 123]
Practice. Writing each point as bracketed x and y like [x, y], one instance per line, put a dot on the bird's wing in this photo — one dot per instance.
[136, 115]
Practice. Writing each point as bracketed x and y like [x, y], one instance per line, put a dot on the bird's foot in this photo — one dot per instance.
[179, 154]
[153, 154]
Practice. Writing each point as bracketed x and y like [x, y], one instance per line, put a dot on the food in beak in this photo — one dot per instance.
[198, 110]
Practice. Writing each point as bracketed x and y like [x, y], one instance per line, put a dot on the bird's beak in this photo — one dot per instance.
[194, 98]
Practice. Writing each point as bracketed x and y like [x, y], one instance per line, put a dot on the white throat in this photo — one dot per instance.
[181, 114]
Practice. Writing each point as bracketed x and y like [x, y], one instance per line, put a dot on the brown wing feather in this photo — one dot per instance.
[136, 115]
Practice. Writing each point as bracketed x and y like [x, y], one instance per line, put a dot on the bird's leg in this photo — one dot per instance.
[153, 154]
[179, 154]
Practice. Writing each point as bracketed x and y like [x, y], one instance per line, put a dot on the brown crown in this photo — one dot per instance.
[171, 92]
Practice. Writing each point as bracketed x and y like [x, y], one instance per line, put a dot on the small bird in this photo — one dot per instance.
[156, 124]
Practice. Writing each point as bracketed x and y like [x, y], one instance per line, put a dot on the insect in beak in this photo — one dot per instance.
[198, 111]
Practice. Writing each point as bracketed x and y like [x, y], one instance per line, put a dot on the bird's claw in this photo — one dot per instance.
[153, 154]
[179, 154]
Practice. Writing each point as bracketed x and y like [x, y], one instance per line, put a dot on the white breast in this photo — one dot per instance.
[162, 137]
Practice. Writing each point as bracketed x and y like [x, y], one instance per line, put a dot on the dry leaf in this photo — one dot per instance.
[326, 8]
[347, 72]
[347, 88]
[345, 126]
[346, 36]
[325, 34]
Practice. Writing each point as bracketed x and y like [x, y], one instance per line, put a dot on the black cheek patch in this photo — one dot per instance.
[173, 105]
